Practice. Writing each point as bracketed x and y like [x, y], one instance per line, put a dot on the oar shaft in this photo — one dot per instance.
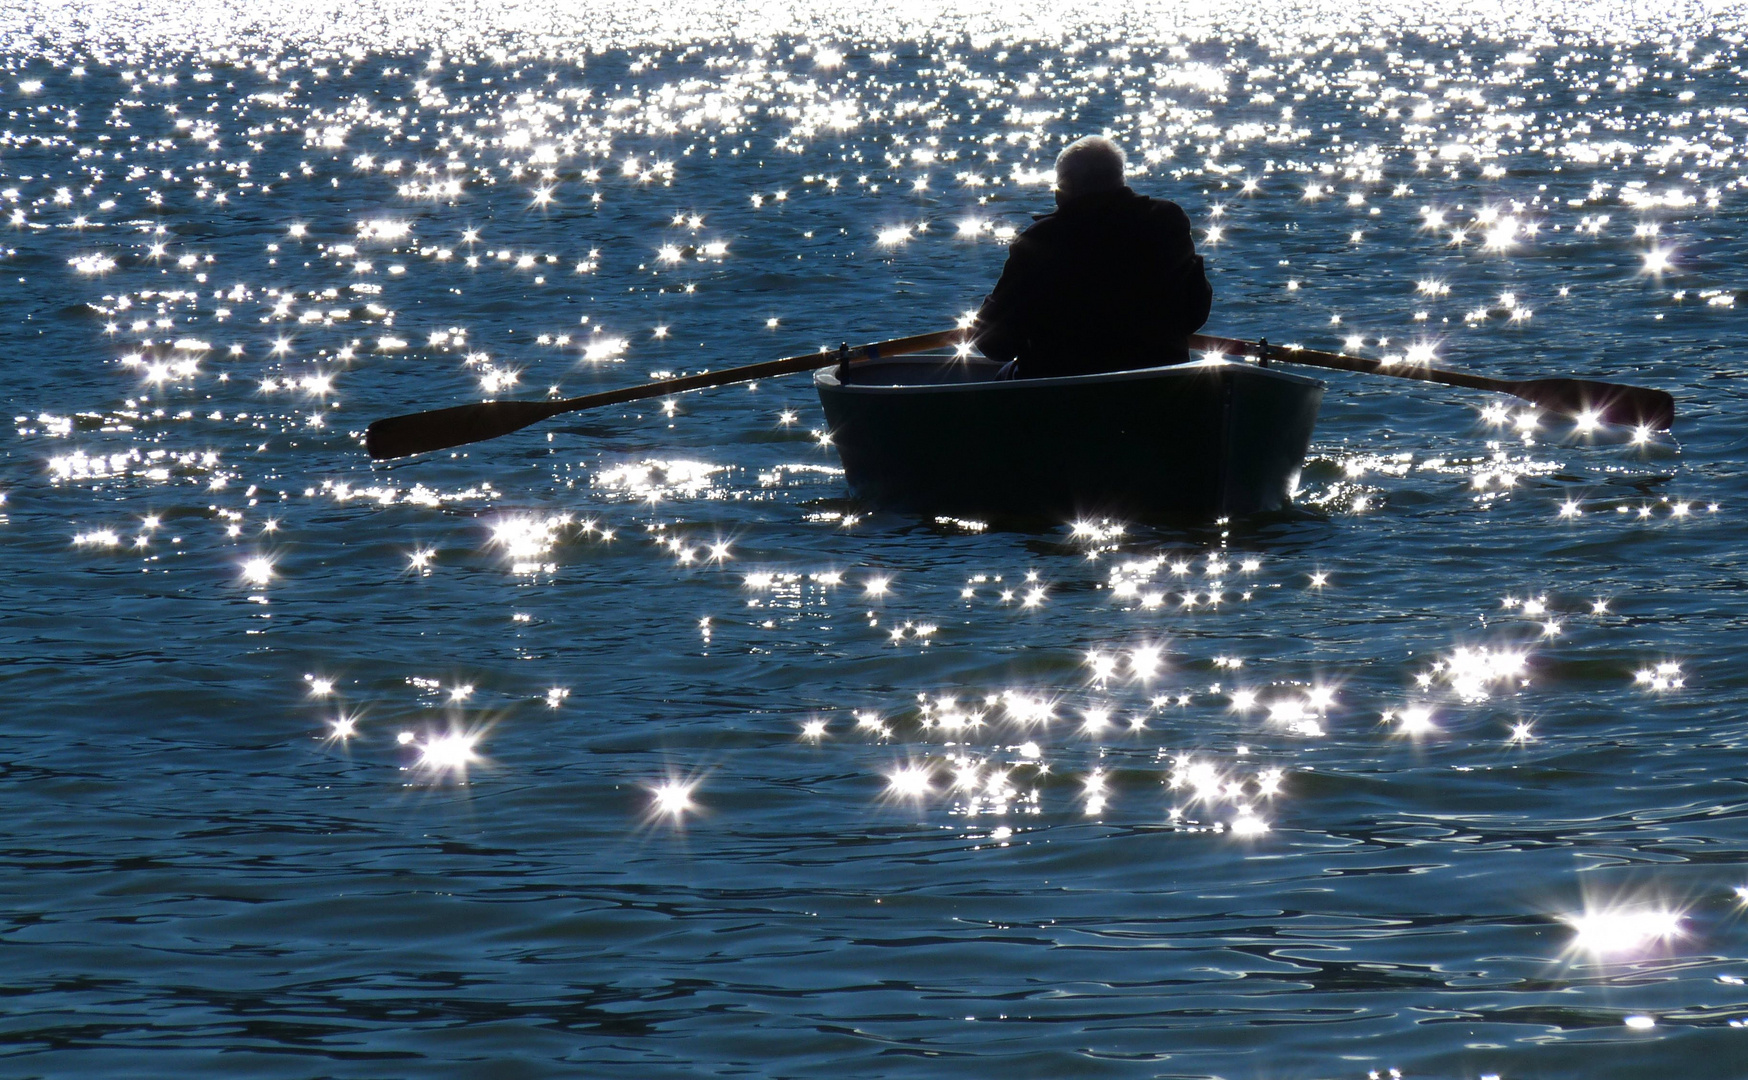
[1586, 399]
[458, 425]
[768, 369]
[1342, 362]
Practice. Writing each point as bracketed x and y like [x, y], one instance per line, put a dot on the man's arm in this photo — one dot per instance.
[1195, 296]
[1001, 330]
[1190, 295]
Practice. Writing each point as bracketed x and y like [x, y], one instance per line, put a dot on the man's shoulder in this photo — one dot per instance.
[1038, 238]
[1161, 209]
[1042, 225]
[1128, 204]
[1151, 221]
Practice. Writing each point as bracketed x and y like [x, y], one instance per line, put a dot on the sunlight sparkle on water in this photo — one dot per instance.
[1414, 720]
[1103, 665]
[910, 781]
[527, 538]
[672, 798]
[1664, 676]
[1623, 930]
[450, 753]
[1473, 671]
[1144, 661]
[892, 163]
[1248, 824]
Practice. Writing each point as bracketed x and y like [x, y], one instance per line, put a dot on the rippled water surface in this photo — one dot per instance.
[630, 744]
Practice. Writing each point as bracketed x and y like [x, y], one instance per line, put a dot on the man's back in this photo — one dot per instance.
[1109, 281]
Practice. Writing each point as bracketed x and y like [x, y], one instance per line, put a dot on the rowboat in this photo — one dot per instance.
[941, 435]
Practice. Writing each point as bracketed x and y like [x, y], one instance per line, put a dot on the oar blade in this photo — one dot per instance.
[1609, 403]
[440, 429]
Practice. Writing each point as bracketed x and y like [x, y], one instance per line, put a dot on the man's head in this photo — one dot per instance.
[1088, 165]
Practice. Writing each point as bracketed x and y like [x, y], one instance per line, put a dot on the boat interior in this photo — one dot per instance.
[918, 369]
[926, 369]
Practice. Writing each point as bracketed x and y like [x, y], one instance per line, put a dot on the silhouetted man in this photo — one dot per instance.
[1109, 281]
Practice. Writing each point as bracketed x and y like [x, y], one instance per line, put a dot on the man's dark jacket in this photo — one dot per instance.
[1109, 281]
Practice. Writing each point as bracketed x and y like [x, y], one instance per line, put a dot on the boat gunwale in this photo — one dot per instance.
[826, 378]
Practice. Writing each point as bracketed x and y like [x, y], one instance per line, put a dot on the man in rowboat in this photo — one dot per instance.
[1109, 281]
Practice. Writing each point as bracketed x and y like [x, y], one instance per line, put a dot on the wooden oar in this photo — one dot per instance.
[1606, 402]
[440, 429]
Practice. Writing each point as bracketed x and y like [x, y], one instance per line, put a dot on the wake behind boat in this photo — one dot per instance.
[937, 434]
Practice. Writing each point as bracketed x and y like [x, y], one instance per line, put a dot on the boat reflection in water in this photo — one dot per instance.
[938, 434]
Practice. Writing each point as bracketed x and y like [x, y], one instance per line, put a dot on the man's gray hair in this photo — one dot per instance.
[1088, 164]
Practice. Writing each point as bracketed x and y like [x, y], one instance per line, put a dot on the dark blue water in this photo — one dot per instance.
[630, 744]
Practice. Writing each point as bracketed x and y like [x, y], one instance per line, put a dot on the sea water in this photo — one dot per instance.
[631, 744]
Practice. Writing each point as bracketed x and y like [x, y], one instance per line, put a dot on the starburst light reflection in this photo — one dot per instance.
[448, 754]
[1613, 931]
[672, 799]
